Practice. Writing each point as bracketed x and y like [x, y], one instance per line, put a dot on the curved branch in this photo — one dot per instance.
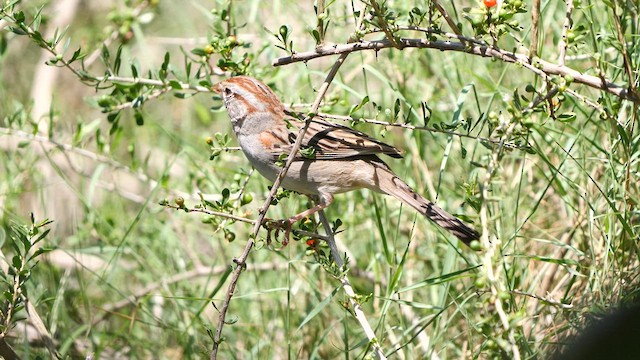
[540, 67]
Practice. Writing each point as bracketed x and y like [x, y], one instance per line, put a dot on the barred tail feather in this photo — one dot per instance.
[390, 184]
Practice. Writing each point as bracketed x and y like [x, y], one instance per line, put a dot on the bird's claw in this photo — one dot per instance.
[285, 225]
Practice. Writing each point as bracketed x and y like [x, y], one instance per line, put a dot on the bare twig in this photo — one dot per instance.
[565, 29]
[587, 101]
[446, 17]
[413, 127]
[540, 67]
[320, 13]
[152, 82]
[241, 261]
[51, 143]
[535, 26]
[628, 65]
[348, 289]
[543, 299]
[200, 271]
[384, 25]
[212, 213]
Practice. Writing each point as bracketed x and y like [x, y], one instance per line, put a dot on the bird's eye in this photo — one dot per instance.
[227, 91]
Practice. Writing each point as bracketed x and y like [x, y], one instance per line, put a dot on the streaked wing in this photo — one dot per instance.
[333, 141]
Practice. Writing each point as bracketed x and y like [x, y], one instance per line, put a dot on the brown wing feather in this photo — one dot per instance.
[333, 141]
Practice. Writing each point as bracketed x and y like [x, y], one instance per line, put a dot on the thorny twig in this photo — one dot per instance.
[241, 261]
[540, 67]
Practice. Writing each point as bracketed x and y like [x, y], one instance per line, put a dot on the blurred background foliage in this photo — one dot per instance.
[106, 118]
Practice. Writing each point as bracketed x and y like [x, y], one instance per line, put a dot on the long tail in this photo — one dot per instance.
[390, 184]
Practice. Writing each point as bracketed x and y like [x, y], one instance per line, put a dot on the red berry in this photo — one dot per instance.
[490, 3]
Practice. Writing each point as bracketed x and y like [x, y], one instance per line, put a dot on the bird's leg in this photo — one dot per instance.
[325, 201]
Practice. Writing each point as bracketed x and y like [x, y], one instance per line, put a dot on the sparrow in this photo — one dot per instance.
[333, 158]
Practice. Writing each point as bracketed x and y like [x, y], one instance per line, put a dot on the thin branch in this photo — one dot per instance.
[348, 289]
[587, 101]
[241, 261]
[543, 299]
[200, 271]
[540, 67]
[96, 80]
[628, 65]
[152, 82]
[413, 127]
[212, 213]
[446, 17]
[565, 29]
[87, 154]
[239, 218]
[47, 45]
[384, 25]
[320, 14]
[535, 26]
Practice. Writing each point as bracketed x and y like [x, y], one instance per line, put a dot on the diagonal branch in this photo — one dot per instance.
[241, 261]
[447, 18]
[384, 24]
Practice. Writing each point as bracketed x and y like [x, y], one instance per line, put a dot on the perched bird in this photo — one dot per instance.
[334, 158]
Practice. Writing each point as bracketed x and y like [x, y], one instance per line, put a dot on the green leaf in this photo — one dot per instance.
[225, 195]
[16, 262]
[623, 134]
[118, 62]
[316, 36]
[106, 56]
[385, 246]
[363, 102]
[439, 279]
[40, 251]
[567, 117]
[135, 67]
[41, 236]
[316, 310]
[3, 43]
[76, 55]
[199, 52]
[462, 98]
[396, 109]
[19, 16]
[175, 84]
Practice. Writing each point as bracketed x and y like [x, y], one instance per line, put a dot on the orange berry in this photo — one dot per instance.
[490, 3]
